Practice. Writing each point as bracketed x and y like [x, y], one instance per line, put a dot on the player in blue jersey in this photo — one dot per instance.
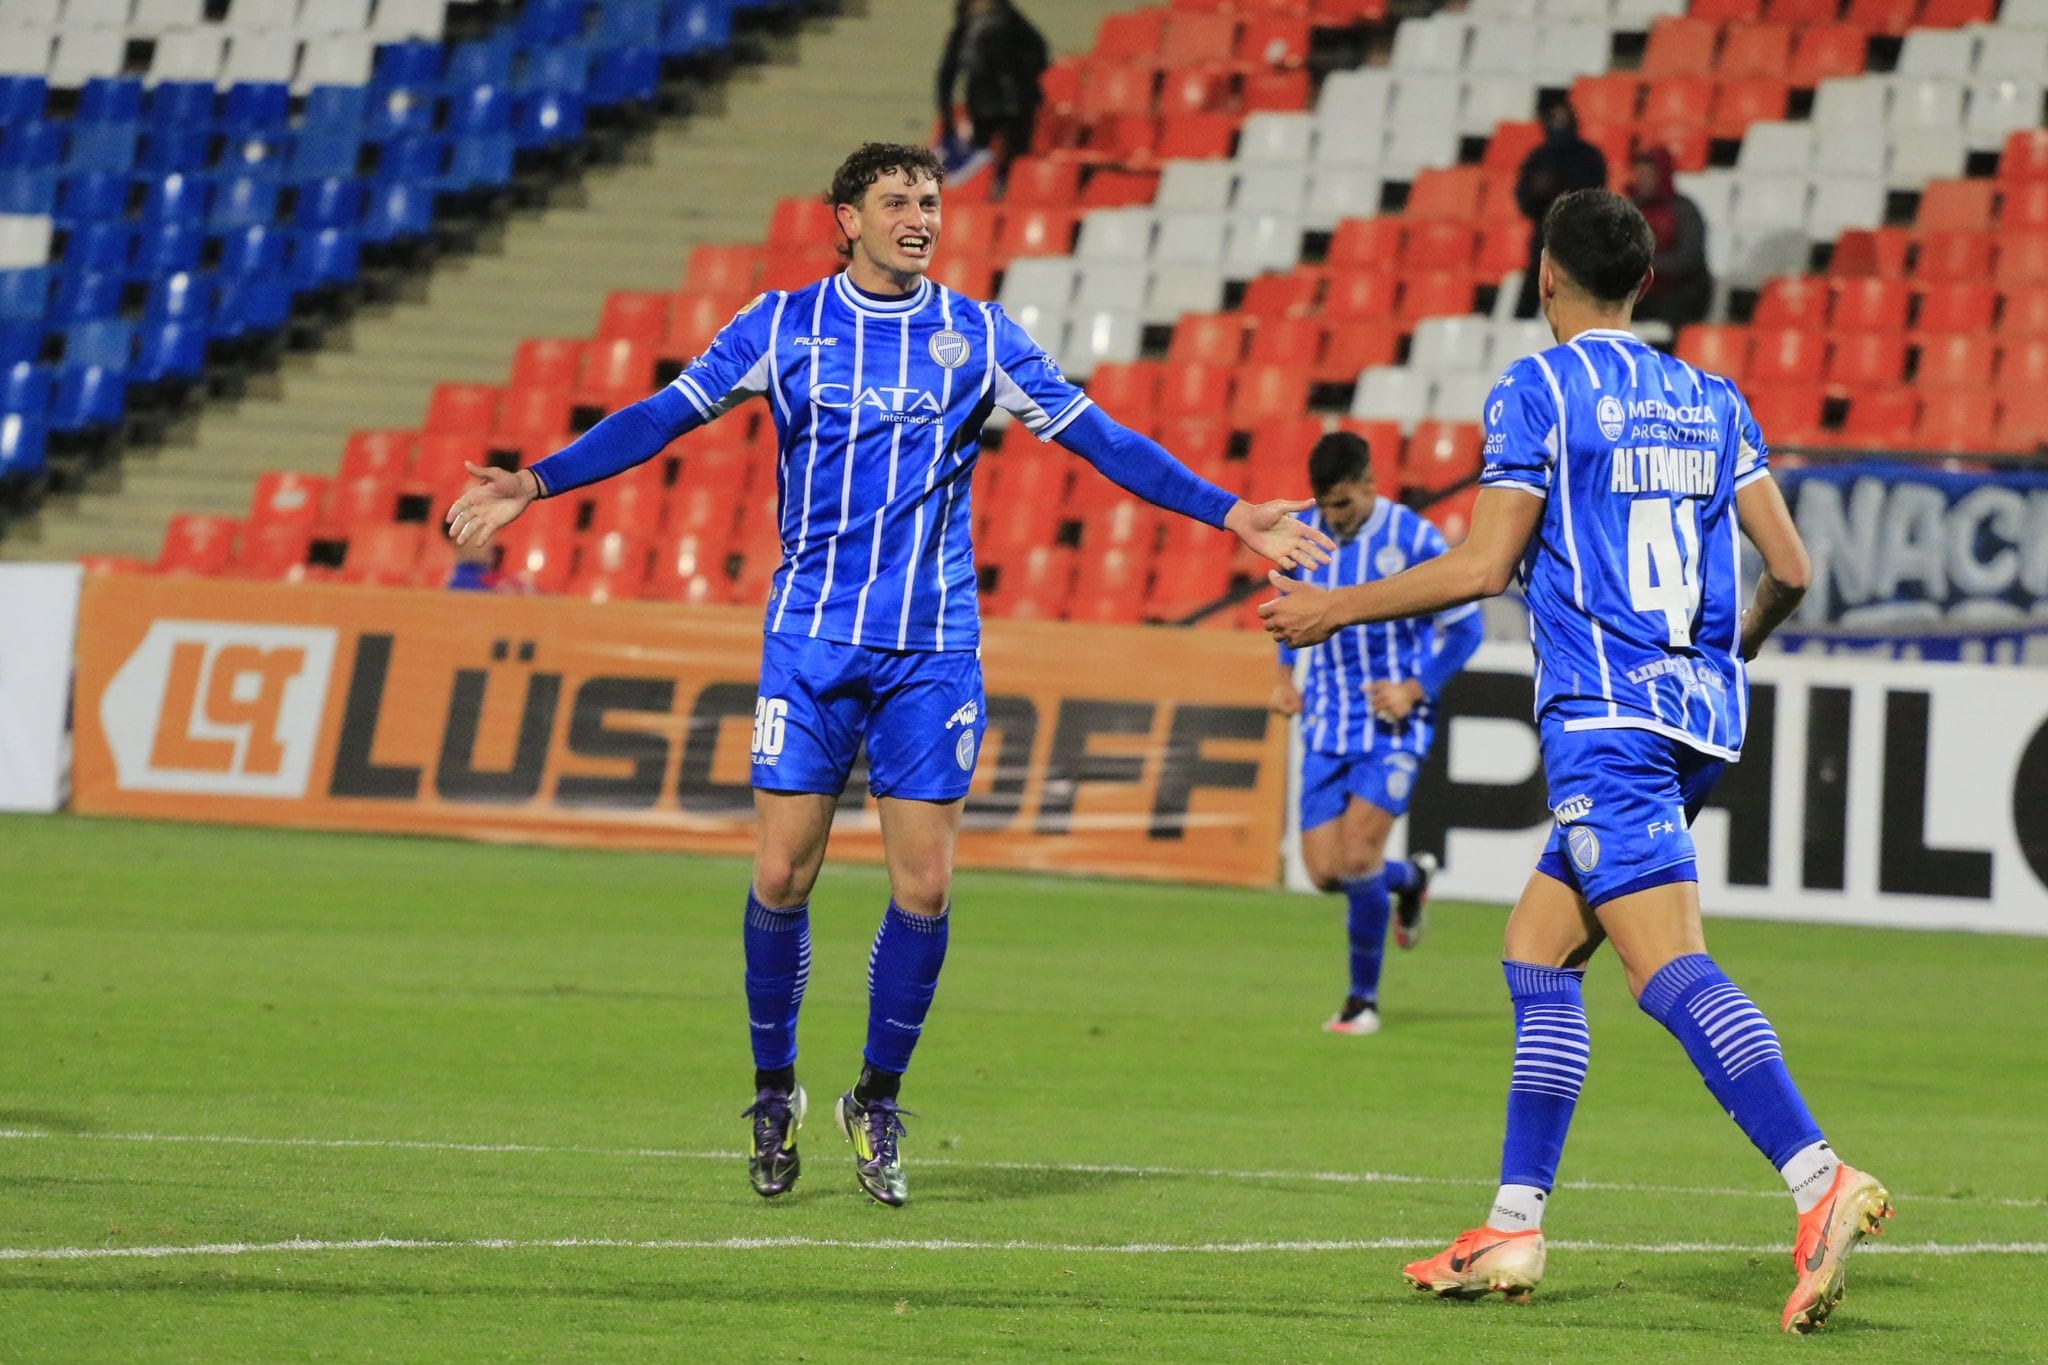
[879, 382]
[1617, 482]
[1367, 704]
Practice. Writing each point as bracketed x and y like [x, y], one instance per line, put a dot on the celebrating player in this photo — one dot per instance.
[1367, 714]
[879, 382]
[1616, 478]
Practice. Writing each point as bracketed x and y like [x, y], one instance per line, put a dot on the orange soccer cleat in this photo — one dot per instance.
[1483, 1261]
[1855, 1207]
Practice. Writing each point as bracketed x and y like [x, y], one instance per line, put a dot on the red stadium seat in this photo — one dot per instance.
[793, 267]
[1127, 388]
[1760, 49]
[1439, 244]
[1870, 304]
[1441, 455]
[1794, 301]
[1130, 36]
[688, 566]
[1110, 88]
[1718, 348]
[1445, 293]
[1960, 204]
[1446, 192]
[1109, 588]
[377, 453]
[532, 416]
[1371, 243]
[723, 270]
[971, 228]
[1356, 344]
[611, 564]
[1278, 92]
[1730, 12]
[1957, 308]
[463, 408]
[801, 220]
[1883, 252]
[613, 369]
[1195, 135]
[1278, 454]
[387, 554]
[1788, 414]
[2024, 157]
[1955, 13]
[1881, 418]
[362, 498]
[1959, 360]
[1677, 101]
[1046, 231]
[1121, 520]
[694, 319]
[1452, 513]
[2022, 421]
[1201, 442]
[1287, 341]
[1861, 360]
[287, 498]
[1043, 181]
[1268, 391]
[1195, 389]
[538, 549]
[1888, 17]
[1690, 145]
[641, 315]
[1744, 100]
[1801, 13]
[1292, 294]
[1198, 38]
[1034, 584]
[1954, 254]
[1362, 292]
[2022, 259]
[1276, 42]
[1194, 90]
[1211, 338]
[1383, 442]
[1503, 246]
[1511, 143]
[198, 544]
[2023, 366]
[964, 273]
[1824, 49]
[548, 362]
[1958, 420]
[1200, 573]
[2024, 206]
[2024, 311]
[1787, 354]
[1681, 47]
[635, 502]
[442, 455]
[1612, 97]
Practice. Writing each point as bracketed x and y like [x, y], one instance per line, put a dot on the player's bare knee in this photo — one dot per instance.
[921, 891]
[780, 883]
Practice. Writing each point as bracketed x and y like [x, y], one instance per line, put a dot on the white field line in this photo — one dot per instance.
[1047, 1167]
[306, 1245]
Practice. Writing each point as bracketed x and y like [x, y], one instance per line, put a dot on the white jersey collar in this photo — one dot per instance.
[896, 308]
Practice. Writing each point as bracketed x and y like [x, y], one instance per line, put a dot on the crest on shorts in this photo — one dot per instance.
[963, 752]
[948, 348]
[1585, 847]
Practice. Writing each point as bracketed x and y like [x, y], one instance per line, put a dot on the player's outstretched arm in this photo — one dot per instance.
[492, 504]
[1768, 523]
[1503, 519]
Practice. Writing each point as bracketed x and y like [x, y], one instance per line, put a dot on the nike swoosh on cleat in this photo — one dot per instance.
[1459, 1266]
[1820, 1248]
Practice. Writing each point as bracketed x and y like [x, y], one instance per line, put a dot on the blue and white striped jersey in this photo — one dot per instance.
[1632, 576]
[878, 408]
[1336, 718]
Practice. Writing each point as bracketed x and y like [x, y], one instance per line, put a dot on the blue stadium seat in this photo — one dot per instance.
[171, 351]
[625, 75]
[162, 248]
[564, 67]
[86, 296]
[91, 197]
[184, 296]
[100, 146]
[20, 339]
[324, 258]
[256, 104]
[548, 118]
[25, 294]
[336, 201]
[177, 147]
[401, 210]
[412, 63]
[23, 445]
[104, 244]
[480, 109]
[176, 198]
[696, 26]
[256, 304]
[330, 106]
[627, 23]
[480, 161]
[326, 150]
[108, 342]
[25, 387]
[550, 21]
[241, 201]
[485, 61]
[399, 113]
[28, 191]
[111, 99]
[253, 252]
[87, 396]
[22, 99]
[260, 154]
[32, 144]
[180, 104]
[414, 160]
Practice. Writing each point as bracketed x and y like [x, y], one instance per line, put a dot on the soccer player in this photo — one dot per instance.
[1616, 479]
[1368, 712]
[879, 382]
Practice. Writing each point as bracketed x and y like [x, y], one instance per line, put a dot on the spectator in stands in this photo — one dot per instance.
[1681, 288]
[1002, 54]
[1561, 163]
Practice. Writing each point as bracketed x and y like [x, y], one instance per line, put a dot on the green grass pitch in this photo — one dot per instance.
[1132, 1141]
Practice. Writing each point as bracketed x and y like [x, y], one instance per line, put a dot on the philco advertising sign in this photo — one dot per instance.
[630, 724]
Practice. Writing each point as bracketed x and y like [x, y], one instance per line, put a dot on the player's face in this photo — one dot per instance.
[1345, 506]
[894, 229]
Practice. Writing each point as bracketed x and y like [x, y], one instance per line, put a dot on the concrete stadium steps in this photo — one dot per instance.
[769, 131]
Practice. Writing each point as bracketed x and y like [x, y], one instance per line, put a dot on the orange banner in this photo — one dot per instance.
[1126, 751]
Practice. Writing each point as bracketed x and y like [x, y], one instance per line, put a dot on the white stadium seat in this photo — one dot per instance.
[334, 16]
[161, 16]
[396, 19]
[1760, 254]
[1851, 101]
[1435, 43]
[1495, 100]
[2010, 51]
[1178, 289]
[1187, 238]
[1116, 235]
[1447, 345]
[189, 54]
[335, 59]
[1776, 148]
[1636, 16]
[1277, 137]
[1103, 334]
[1598, 12]
[1841, 202]
[1391, 393]
[264, 13]
[30, 14]
[1109, 284]
[261, 54]
[1188, 184]
[1514, 339]
[1999, 107]
[1044, 282]
[1262, 242]
[24, 241]
[1339, 192]
[2023, 14]
[1763, 202]
[1950, 53]
[1276, 187]
[26, 51]
[1492, 11]
[1843, 149]
[1461, 396]
[1919, 155]
[98, 13]
[83, 53]
[1566, 51]
[1926, 102]
[1351, 116]
[1503, 47]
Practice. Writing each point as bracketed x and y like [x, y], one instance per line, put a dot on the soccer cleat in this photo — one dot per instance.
[874, 1129]
[1855, 1207]
[773, 1165]
[1483, 1261]
[1358, 1017]
[1410, 919]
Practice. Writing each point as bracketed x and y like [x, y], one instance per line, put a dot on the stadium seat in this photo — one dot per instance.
[1264, 392]
[1824, 50]
[198, 545]
[1216, 338]
[1440, 456]
[1954, 255]
[1881, 418]
[1788, 414]
[1956, 308]
[1955, 360]
[1871, 304]
[1794, 301]
[1957, 420]
[1863, 360]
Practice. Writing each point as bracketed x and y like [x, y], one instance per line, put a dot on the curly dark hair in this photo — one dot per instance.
[870, 162]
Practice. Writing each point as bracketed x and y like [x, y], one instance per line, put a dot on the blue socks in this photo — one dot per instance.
[778, 946]
[1552, 1048]
[1367, 925]
[1736, 1052]
[1400, 876]
[903, 972]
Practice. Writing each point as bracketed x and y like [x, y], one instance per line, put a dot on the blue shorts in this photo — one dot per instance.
[1385, 777]
[920, 713]
[1623, 801]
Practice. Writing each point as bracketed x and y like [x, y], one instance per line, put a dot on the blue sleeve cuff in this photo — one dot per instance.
[1142, 466]
[1461, 637]
[630, 436]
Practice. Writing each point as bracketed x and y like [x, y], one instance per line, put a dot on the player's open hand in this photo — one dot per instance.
[1297, 617]
[1271, 529]
[497, 498]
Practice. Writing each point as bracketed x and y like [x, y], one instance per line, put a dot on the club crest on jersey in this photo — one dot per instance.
[948, 348]
[1389, 561]
[1610, 416]
[1585, 847]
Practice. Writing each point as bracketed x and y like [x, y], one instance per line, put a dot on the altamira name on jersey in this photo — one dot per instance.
[1663, 469]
